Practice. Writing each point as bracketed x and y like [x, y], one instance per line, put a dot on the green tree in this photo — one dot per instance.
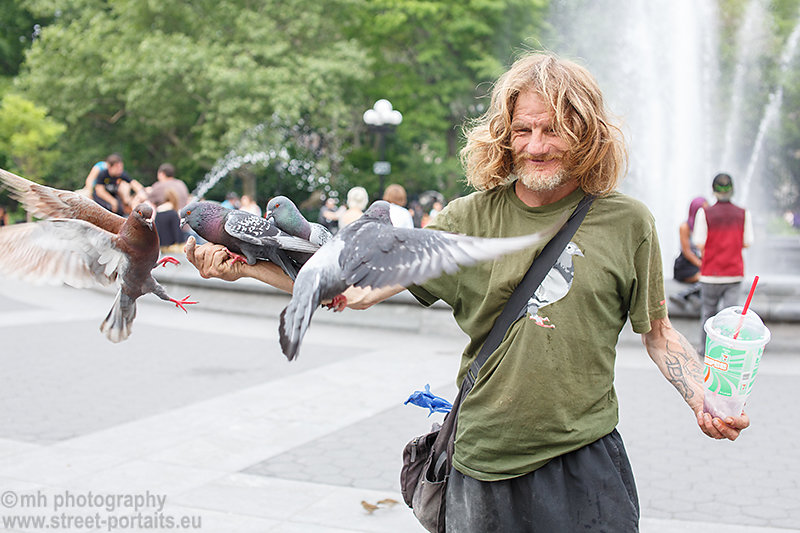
[183, 81]
[27, 135]
[186, 81]
[18, 29]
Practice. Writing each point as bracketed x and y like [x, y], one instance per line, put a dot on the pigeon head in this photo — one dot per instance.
[572, 249]
[144, 214]
[203, 217]
[288, 217]
[379, 211]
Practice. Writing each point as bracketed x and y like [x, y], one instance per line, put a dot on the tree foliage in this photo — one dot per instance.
[27, 134]
[185, 81]
[182, 81]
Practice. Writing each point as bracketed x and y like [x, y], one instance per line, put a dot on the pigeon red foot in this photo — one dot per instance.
[181, 303]
[338, 303]
[236, 257]
[164, 260]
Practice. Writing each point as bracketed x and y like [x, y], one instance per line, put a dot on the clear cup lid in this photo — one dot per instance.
[730, 320]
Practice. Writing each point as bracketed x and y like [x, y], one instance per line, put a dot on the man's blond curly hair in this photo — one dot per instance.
[597, 156]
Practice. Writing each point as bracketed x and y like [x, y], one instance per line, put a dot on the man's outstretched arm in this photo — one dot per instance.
[680, 364]
[213, 261]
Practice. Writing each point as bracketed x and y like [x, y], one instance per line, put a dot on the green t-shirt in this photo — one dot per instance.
[548, 389]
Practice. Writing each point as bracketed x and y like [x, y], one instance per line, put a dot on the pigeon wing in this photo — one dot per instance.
[60, 251]
[379, 255]
[260, 232]
[46, 202]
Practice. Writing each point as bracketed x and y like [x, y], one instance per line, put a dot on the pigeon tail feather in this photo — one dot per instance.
[118, 323]
[296, 317]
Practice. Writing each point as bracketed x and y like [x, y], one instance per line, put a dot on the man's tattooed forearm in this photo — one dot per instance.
[682, 367]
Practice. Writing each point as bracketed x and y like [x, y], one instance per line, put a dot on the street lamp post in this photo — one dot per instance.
[382, 119]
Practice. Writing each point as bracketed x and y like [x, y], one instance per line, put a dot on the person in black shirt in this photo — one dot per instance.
[112, 187]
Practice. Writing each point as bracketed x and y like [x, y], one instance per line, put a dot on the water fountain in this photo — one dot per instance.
[771, 110]
[684, 119]
[750, 43]
[662, 93]
[268, 144]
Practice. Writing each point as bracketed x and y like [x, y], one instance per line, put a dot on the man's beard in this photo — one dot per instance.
[538, 180]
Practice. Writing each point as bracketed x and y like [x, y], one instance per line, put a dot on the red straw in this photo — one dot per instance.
[746, 306]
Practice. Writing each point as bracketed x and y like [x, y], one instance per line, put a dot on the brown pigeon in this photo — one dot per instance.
[83, 245]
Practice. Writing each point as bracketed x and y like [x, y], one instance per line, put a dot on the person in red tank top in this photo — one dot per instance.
[721, 231]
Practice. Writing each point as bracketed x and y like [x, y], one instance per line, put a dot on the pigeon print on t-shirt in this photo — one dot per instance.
[555, 285]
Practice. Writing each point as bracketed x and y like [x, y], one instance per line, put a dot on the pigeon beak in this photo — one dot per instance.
[183, 222]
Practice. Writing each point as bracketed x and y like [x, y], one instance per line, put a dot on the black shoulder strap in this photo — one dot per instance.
[515, 307]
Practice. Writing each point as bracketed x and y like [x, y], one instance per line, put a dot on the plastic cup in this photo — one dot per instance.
[732, 363]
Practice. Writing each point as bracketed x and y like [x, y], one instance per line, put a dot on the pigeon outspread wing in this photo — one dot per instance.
[371, 252]
[379, 256]
[46, 202]
[61, 251]
[83, 245]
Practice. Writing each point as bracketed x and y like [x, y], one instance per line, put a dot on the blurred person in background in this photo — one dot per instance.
[112, 186]
[357, 200]
[168, 223]
[721, 232]
[329, 215]
[395, 194]
[231, 201]
[249, 205]
[165, 182]
[686, 268]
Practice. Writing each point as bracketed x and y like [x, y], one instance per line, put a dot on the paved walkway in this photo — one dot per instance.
[202, 419]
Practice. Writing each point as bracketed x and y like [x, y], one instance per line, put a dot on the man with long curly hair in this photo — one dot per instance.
[536, 447]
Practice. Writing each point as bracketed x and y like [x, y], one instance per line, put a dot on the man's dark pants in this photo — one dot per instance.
[590, 489]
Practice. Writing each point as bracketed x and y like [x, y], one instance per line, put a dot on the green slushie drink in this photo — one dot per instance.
[734, 345]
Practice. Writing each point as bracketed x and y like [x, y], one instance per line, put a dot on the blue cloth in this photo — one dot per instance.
[426, 398]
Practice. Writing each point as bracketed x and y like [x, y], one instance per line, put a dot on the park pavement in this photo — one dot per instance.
[199, 418]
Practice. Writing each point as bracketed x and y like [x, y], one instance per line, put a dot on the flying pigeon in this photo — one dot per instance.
[555, 285]
[370, 252]
[289, 219]
[246, 234]
[85, 246]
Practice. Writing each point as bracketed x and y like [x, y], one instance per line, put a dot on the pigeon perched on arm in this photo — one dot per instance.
[84, 251]
[289, 219]
[370, 252]
[245, 234]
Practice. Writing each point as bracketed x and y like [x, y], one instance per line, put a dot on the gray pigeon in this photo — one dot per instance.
[555, 285]
[84, 246]
[370, 252]
[246, 234]
[289, 219]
